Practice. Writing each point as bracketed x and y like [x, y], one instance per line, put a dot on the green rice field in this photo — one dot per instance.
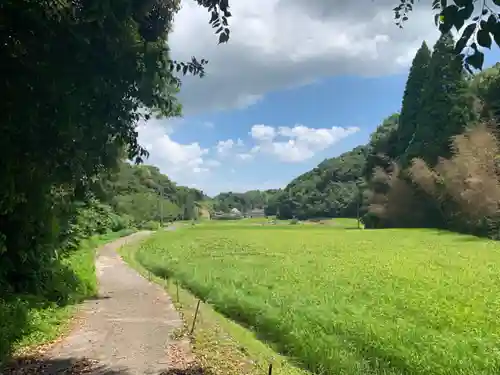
[339, 300]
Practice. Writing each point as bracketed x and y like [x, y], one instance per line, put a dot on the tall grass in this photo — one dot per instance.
[348, 301]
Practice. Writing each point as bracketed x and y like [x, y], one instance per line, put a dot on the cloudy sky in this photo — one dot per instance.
[298, 82]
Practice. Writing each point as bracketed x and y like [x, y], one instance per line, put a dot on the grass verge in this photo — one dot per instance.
[29, 322]
[221, 346]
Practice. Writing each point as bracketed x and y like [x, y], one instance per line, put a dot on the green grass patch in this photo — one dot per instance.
[222, 346]
[28, 321]
[347, 301]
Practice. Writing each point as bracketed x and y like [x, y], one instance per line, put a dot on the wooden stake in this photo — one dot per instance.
[270, 372]
[195, 316]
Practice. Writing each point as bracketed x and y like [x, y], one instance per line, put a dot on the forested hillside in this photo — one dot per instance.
[141, 193]
[244, 202]
[441, 100]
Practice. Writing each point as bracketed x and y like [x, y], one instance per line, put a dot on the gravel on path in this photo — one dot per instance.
[126, 330]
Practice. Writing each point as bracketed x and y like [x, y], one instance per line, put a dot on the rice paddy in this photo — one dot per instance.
[344, 301]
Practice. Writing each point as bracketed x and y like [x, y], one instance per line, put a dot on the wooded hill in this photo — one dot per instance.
[244, 202]
[141, 193]
[441, 100]
[332, 189]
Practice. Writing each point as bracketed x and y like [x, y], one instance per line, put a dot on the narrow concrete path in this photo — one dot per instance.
[127, 330]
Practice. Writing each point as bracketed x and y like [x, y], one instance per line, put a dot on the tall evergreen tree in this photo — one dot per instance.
[412, 101]
[446, 106]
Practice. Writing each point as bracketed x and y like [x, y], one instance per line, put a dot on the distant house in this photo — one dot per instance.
[235, 212]
[256, 212]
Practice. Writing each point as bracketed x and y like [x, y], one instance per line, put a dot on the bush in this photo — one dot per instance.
[294, 221]
[228, 217]
[120, 222]
[30, 319]
[150, 225]
[466, 187]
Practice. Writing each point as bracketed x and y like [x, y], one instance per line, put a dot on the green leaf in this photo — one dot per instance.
[468, 10]
[476, 60]
[214, 17]
[484, 38]
[224, 37]
[458, 21]
[448, 18]
[464, 38]
[496, 34]
[492, 21]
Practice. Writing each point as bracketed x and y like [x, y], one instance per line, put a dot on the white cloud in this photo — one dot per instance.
[212, 163]
[282, 43]
[223, 147]
[208, 124]
[262, 132]
[301, 143]
[244, 156]
[179, 161]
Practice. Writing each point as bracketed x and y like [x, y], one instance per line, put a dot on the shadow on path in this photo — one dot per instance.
[84, 366]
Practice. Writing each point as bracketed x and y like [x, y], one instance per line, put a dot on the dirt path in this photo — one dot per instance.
[127, 330]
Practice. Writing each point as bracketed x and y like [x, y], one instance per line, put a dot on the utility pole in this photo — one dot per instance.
[358, 200]
[357, 214]
[160, 202]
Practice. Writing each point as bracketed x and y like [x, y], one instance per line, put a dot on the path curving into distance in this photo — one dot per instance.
[126, 330]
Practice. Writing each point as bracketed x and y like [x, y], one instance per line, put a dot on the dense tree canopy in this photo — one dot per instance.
[481, 18]
[78, 76]
[412, 100]
[244, 202]
[440, 101]
[446, 106]
[143, 194]
[329, 190]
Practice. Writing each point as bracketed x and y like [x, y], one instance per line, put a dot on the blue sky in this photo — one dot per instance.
[277, 101]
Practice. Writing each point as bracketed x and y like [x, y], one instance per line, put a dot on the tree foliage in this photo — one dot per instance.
[466, 187]
[143, 194]
[66, 118]
[480, 18]
[451, 179]
[446, 106]
[329, 190]
[440, 102]
[412, 100]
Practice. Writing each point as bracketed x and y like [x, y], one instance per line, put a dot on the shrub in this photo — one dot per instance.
[466, 187]
[392, 201]
[227, 217]
[150, 225]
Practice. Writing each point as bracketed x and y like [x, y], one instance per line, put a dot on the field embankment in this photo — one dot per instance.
[28, 321]
[347, 301]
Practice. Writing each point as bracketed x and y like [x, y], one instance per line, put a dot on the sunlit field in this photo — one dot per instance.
[346, 301]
